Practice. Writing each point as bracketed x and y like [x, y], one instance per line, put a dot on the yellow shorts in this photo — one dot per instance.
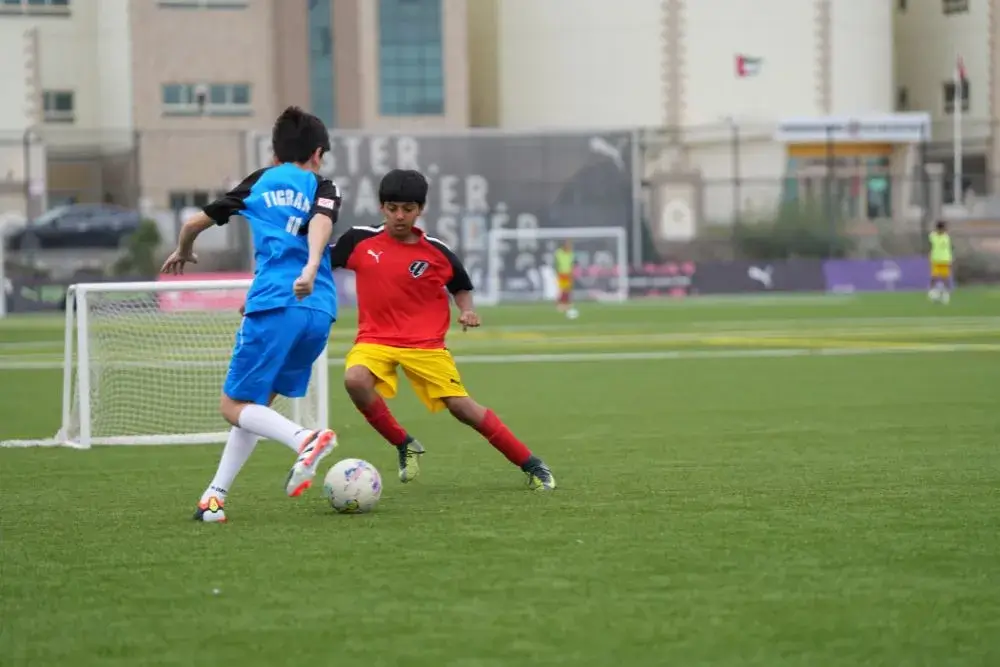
[565, 282]
[941, 271]
[432, 373]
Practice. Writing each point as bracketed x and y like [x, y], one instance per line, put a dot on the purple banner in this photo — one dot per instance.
[895, 274]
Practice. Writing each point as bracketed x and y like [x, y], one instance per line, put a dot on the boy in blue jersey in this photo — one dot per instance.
[289, 308]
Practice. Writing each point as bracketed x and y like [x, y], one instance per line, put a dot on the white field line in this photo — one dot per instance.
[571, 357]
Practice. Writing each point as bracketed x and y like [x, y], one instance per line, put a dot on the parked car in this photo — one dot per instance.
[77, 226]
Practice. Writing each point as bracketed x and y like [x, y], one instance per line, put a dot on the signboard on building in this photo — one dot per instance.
[900, 128]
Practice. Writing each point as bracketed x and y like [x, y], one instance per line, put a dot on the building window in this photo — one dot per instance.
[321, 68]
[204, 4]
[955, 6]
[60, 7]
[58, 106]
[411, 67]
[949, 96]
[902, 98]
[211, 99]
[180, 200]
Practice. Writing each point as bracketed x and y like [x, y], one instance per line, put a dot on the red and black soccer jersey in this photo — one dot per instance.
[402, 287]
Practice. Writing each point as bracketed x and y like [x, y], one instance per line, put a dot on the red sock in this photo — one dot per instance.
[503, 440]
[378, 415]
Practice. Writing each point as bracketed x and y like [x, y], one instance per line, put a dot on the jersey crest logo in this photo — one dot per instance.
[376, 255]
[418, 267]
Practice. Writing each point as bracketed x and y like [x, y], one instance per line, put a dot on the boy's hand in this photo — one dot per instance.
[303, 286]
[469, 319]
[175, 262]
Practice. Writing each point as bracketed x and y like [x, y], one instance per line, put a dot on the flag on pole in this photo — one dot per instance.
[747, 65]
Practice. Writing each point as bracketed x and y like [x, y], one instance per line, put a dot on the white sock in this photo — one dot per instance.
[239, 447]
[267, 423]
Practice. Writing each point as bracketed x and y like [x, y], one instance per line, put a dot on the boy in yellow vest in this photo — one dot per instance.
[941, 260]
[565, 261]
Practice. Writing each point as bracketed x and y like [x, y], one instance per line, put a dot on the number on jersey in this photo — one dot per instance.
[294, 225]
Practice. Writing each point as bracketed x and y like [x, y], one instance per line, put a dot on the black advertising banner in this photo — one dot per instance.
[36, 295]
[742, 277]
[487, 180]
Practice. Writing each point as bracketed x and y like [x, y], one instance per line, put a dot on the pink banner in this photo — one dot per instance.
[202, 300]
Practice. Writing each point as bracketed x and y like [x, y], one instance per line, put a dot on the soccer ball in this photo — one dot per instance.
[353, 486]
[572, 313]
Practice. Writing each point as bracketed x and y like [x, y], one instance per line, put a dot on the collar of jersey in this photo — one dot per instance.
[419, 232]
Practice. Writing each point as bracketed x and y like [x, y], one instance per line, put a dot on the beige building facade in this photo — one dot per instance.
[153, 101]
[930, 37]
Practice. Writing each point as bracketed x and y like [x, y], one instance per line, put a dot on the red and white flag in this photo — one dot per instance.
[747, 65]
[960, 76]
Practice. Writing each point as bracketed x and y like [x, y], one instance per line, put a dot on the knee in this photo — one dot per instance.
[359, 381]
[465, 410]
[231, 409]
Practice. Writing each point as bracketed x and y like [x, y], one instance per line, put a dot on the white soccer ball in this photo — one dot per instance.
[353, 486]
[572, 313]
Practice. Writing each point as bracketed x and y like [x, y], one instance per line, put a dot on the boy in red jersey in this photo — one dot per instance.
[401, 278]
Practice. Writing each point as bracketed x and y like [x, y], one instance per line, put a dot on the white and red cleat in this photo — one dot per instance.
[313, 450]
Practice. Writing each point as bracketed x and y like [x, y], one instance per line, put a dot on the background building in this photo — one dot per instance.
[155, 102]
[152, 100]
[930, 37]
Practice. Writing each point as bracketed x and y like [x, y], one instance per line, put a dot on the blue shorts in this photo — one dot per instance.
[274, 353]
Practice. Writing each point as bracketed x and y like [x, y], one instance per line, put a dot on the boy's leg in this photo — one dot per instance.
[263, 343]
[438, 384]
[371, 375]
[238, 449]
[565, 288]
[947, 283]
[257, 356]
[293, 381]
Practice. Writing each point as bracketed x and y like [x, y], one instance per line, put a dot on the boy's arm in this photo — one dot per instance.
[184, 253]
[216, 213]
[324, 216]
[460, 287]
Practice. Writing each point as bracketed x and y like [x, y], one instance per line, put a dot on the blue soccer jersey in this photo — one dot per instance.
[278, 203]
[281, 337]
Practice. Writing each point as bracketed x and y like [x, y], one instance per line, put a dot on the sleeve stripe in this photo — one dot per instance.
[438, 242]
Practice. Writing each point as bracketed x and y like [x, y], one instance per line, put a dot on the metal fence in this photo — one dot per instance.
[680, 192]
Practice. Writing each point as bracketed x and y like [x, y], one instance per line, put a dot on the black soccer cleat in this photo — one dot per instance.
[540, 478]
[409, 463]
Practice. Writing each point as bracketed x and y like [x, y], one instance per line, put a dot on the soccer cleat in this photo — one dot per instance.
[409, 460]
[540, 478]
[313, 450]
[210, 511]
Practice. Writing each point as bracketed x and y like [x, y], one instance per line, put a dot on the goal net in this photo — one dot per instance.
[520, 264]
[145, 362]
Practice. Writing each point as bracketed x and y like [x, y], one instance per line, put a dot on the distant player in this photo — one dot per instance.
[565, 262]
[403, 278]
[941, 261]
[289, 308]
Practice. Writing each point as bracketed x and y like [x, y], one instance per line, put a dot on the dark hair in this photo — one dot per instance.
[940, 225]
[297, 135]
[403, 186]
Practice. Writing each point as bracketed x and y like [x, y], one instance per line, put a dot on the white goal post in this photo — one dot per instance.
[519, 264]
[144, 364]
